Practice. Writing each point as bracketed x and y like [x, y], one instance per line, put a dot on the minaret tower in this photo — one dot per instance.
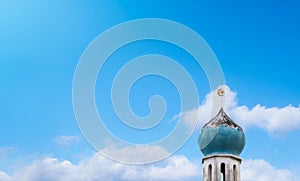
[221, 141]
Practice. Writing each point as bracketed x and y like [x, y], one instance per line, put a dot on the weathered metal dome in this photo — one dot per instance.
[221, 135]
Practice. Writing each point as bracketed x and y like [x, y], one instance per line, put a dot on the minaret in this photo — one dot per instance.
[221, 141]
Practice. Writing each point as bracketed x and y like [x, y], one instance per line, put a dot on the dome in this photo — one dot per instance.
[221, 135]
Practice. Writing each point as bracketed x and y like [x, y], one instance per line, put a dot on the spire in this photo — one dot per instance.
[221, 119]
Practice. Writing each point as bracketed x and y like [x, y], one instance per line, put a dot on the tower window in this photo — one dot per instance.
[222, 172]
[209, 172]
[234, 173]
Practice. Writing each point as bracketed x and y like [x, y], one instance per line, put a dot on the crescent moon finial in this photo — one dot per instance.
[221, 92]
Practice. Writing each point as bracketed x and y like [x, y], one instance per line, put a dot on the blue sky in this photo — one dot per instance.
[257, 45]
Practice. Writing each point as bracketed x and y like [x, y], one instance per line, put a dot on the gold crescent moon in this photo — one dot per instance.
[221, 92]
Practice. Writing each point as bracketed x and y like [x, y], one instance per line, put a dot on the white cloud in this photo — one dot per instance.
[176, 168]
[260, 170]
[276, 121]
[98, 168]
[64, 140]
[4, 177]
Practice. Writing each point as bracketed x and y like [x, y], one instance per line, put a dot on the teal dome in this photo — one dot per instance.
[221, 135]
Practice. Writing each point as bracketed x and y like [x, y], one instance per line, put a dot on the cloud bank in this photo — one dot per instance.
[275, 120]
[99, 168]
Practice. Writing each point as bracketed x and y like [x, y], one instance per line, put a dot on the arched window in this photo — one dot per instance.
[209, 172]
[234, 173]
[222, 172]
